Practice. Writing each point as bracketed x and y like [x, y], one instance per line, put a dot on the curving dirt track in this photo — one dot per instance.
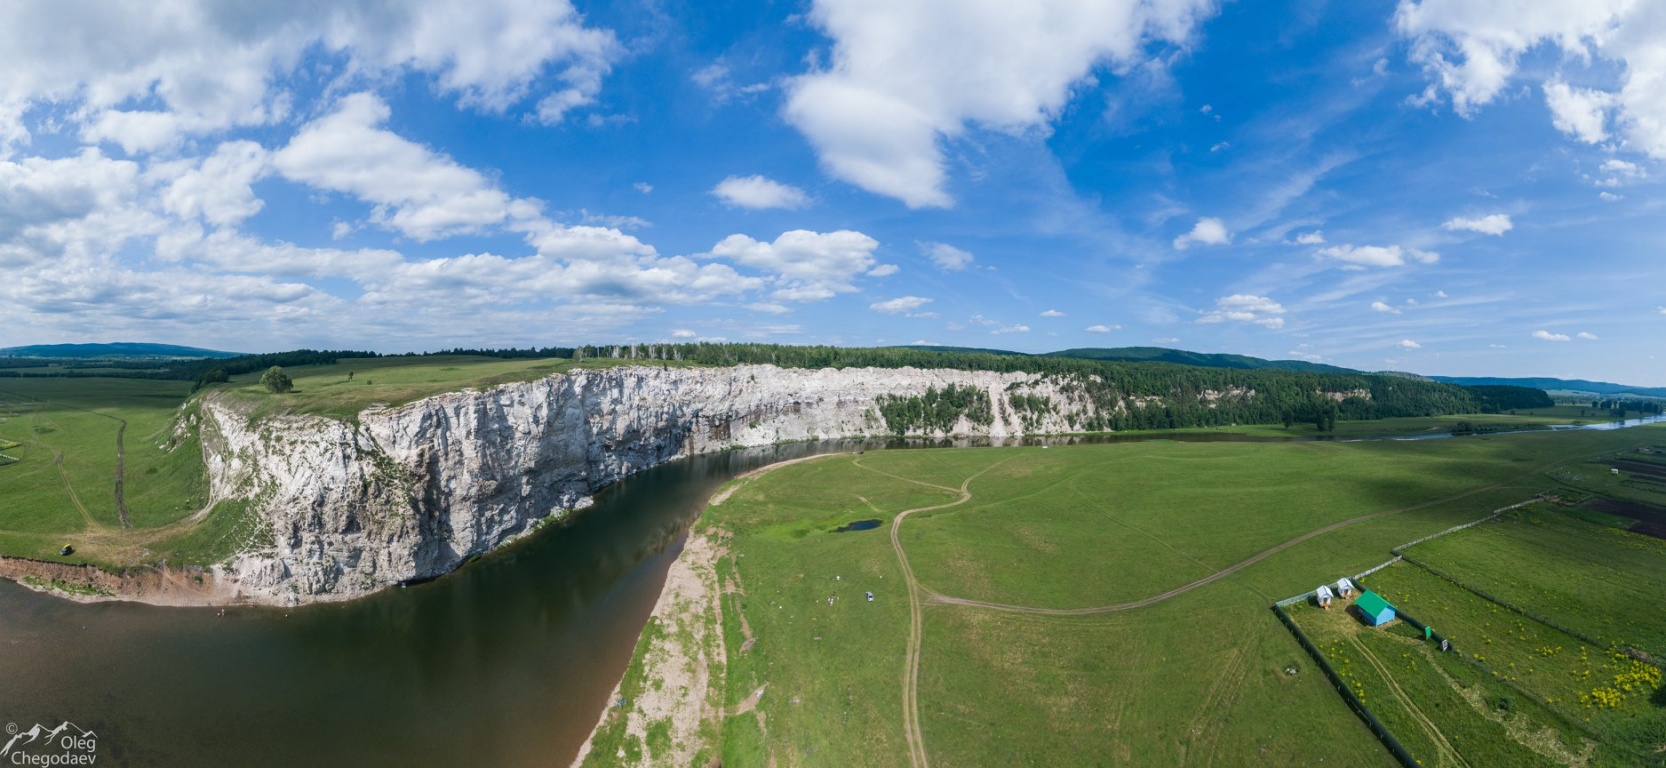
[911, 662]
[911, 665]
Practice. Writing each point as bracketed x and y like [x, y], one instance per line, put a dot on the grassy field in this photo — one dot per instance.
[1614, 700]
[62, 488]
[1599, 579]
[1440, 708]
[1198, 678]
[1417, 425]
[1641, 476]
[349, 386]
[1067, 529]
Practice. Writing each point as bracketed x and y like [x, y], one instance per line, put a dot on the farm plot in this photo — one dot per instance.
[1444, 711]
[1650, 519]
[1599, 580]
[1637, 474]
[1612, 699]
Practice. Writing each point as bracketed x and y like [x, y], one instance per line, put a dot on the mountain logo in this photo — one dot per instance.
[67, 744]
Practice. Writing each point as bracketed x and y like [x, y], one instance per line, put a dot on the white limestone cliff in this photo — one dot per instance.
[342, 509]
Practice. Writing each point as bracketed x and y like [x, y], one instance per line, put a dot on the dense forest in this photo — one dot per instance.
[1498, 399]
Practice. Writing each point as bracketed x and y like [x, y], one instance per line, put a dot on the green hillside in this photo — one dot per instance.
[122, 350]
[1200, 359]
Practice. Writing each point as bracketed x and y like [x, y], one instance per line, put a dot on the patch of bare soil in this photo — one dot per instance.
[1651, 520]
[156, 586]
[684, 665]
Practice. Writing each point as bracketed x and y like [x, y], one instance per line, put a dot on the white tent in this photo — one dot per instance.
[1344, 587]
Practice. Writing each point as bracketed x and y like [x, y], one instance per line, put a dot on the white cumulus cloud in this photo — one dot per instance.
[758, 192]
[1102, 328]
[1316, 237]
[807, 266]
[1019, 328]
[414, 190]
[1052, 313]
[899, 305]
[1623, 168]
[1377, 255]
[1470, 50]
[903, 77]
[187, 67]
[1378, 306]
[1246, 308]
[1409, 344]
[1548, 336]
[219, 187]
[1587, 336]
[1493, 224]
[1579, 112]
[947, 257]
[1207, 231]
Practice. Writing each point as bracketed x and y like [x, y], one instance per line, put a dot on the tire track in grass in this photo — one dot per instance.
[121, 474]
[1443, 749]
[911, 661]
[86, 516]
[911, 724]
[121, 463]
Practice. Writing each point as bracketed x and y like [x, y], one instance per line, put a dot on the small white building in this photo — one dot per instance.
[1344, 587]
[1323, 595]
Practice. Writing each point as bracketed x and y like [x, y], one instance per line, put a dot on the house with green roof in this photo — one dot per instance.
[1374, 609]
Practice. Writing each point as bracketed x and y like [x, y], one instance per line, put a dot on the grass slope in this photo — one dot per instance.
[63, 487]
[1200, 359]
[1199, 678]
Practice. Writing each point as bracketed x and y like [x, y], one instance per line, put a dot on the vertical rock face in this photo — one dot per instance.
[343, 509]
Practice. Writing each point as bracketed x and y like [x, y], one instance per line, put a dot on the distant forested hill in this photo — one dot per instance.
[1578, 385]
[1203, 359]
[118, 350]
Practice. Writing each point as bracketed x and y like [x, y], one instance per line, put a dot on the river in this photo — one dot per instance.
[506, 662]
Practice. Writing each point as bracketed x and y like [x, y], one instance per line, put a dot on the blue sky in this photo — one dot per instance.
[1426, 186]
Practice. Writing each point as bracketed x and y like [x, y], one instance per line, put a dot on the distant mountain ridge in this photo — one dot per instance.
[1578, 385]
[1200, 359]
[122, 349]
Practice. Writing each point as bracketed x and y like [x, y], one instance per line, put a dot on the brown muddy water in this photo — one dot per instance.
[506, 662]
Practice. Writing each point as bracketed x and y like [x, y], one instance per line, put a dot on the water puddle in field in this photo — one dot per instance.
[859, 525]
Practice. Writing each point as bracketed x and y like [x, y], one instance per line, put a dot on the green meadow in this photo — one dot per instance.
[62, 488]
[350, 385]
[1599, 579]
[1587, 692]
[1201, 676]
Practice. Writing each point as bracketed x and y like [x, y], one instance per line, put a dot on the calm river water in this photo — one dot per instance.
[506, 662]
